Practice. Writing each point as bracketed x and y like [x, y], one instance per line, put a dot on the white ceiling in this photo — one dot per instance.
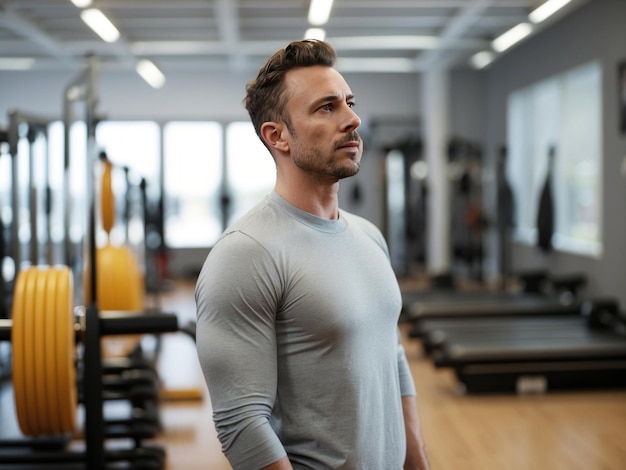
[181, 35]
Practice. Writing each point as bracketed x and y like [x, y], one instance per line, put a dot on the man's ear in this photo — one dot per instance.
[272, 133]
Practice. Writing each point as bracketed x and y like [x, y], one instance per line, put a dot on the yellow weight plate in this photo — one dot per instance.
[107, 199]
[66, 348]
[50, 350]
[39, 349]
[120, 279]
[29, 351]
[17, 344]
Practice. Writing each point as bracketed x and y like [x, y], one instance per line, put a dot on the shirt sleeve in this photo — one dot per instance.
[407, 385]
[236, 302]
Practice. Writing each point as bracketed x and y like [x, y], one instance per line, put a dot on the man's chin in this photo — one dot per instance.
[349, 171]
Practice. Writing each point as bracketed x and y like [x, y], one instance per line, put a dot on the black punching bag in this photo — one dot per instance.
[545, 214]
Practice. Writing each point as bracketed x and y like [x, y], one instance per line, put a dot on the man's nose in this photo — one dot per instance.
[353, 120]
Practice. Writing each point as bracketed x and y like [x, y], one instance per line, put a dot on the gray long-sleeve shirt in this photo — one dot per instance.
[297, 337]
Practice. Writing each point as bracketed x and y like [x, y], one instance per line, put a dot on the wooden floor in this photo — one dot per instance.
[555, 431]
[189, 435]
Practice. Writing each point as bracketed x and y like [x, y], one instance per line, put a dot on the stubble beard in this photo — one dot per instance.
[312, 161]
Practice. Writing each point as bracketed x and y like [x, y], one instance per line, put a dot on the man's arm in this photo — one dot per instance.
[282, 464]
[415, 449]
[236, 345]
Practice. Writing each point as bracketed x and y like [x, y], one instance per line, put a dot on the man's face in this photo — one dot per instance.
[322, 136]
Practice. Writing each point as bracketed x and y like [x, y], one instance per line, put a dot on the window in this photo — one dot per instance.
[562, 112]
[580, 192]
[77, 173]
[192, 176]
[56, 160]
[251, 171]
[395, 200]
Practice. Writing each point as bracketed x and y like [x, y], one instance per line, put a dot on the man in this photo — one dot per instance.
[297, 302]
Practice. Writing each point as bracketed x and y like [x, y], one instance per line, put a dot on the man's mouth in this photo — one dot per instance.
[353, 140]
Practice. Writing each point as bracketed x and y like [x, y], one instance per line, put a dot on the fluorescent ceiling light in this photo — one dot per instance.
[482, 59]
[175, 47]
[546, 10]
[16, 63]
[101, 25]
[315, 33]
[81, 3]
[379, 64]
[150, 73]
[512, 36]
[319, 11]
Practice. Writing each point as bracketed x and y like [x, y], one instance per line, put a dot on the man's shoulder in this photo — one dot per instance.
[261, 223]
[361, 223]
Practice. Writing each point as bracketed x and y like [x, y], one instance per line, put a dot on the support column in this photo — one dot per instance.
[435, 124]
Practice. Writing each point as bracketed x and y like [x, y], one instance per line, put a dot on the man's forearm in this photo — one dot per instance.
[282, 464]
[415, 448]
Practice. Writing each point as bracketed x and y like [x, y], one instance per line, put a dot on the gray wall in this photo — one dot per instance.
[597, 31]
[189, 95]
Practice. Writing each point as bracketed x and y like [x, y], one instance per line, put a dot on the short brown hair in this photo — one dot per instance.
[265, 98]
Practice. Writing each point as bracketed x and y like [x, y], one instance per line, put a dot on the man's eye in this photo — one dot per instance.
[352, 105]
[327, 107]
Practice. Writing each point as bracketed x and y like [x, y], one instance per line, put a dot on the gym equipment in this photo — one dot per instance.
[107, 198]
[473, 313]
[24, 143]
[595, 314]
[546, 218]
[44, 381]
[4, 242]
[533, 300]
[25, 137]
[505, 218]
[496, 304]
[58, 351]
[45, 378]
[31, 128]
[120, 281]
[435, 334]
[407, 194]
[156, 252]
[536, 354]
[468, 220]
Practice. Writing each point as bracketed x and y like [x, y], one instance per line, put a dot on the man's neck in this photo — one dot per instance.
[317, 198]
